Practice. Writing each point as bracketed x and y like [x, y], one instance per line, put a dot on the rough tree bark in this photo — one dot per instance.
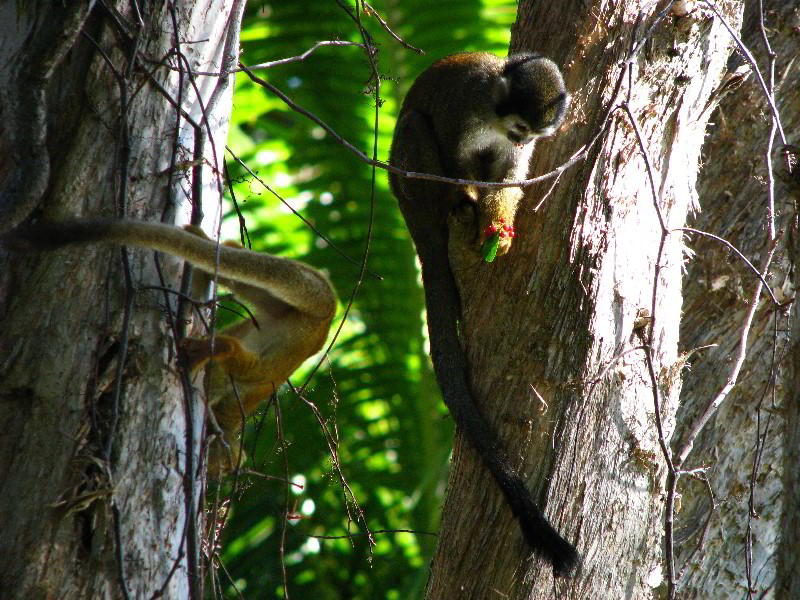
[96, 501]
[754, 435]
[555, 331]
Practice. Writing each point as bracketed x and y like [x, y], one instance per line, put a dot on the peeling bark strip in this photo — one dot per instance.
[46, 37]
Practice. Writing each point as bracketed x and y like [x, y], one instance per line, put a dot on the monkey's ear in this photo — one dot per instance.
[500, 90]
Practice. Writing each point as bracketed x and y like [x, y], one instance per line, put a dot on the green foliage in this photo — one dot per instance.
[376, 390]
[489, 248]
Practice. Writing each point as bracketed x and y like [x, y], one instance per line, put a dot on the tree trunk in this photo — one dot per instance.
[753, 438]
[97, 498]
[558, 331]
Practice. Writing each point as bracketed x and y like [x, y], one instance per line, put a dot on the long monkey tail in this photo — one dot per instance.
[450, 365]
[288, 280]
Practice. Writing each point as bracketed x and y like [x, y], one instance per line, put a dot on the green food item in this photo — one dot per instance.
[489, 248]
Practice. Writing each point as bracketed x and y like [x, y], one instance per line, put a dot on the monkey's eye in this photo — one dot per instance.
[520, 128]
[519, 133]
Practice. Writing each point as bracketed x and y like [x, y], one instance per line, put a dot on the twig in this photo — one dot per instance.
[738, 253]
[350, 536]
[193, 567]
[243, 232]
[118, 543]
[275, 63]
[308, 223]
[376, 78]
[370, 11]
[373, 162]
[279, 429]
[672, 477]
[752, 61]
[332, 443]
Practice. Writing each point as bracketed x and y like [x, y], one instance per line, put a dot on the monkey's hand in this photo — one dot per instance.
[481, 214]
[497, 208]
[228, 353]
[225, 455]
[231, 403]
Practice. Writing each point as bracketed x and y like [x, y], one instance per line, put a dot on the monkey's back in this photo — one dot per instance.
[452, 95]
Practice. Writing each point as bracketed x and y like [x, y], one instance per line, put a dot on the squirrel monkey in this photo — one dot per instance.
[294, 305]
[474, 116]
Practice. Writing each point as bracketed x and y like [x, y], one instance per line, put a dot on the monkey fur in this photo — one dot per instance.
[293, 303]
[474, 116]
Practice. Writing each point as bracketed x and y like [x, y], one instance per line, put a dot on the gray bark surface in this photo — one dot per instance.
[751, 445]
[61, 315]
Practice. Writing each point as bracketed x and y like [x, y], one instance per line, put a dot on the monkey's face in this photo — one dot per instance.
[516, 130]
[533, 120]
[531, 99]
[546, 115]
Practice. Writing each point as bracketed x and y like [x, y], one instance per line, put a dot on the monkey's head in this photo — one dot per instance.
[531, 98]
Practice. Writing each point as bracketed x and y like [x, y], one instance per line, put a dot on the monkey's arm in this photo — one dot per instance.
[426, 206]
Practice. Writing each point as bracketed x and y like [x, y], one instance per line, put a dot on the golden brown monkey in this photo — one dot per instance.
[294, 306]
[474, 116]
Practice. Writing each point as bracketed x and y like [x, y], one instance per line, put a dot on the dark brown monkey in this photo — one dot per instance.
[474, 116]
